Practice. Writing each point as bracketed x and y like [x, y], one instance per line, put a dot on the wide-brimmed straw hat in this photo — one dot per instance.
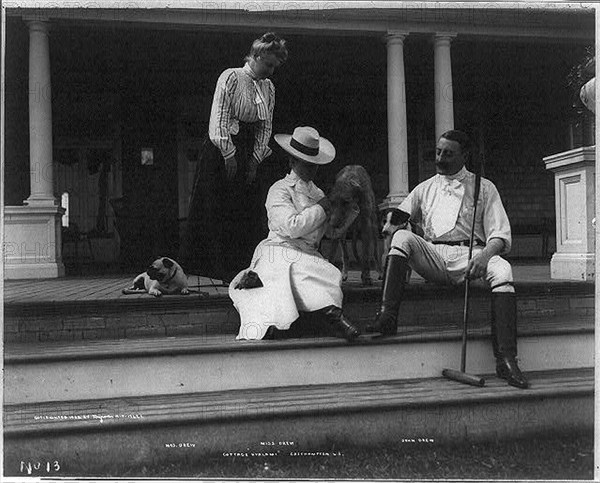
[307, 145]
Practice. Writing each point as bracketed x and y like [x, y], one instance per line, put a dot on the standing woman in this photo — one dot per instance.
[226, 207]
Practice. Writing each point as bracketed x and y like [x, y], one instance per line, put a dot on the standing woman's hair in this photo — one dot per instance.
[269, 43]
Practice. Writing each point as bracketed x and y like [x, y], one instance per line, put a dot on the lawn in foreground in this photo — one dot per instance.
[545, 457]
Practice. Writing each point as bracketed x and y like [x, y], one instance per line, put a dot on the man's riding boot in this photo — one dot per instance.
[504, 338]
[336, 318]
[394, 278]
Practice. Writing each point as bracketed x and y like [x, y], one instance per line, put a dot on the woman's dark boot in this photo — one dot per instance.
[336, 318]
[386, 321]
[504, 338]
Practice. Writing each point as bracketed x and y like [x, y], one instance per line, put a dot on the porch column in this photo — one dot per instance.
[32, 235]
[396, 112]
[444, 104]
[40, 117]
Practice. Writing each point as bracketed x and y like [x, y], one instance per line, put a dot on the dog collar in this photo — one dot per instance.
[172, 276]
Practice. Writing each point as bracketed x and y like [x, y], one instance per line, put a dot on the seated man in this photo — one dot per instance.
[443, 207]
[293, 276]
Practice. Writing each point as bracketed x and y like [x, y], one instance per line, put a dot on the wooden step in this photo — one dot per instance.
[114, 316]
[22, 353]
[282, 401]
[88, 436]
[150, 366]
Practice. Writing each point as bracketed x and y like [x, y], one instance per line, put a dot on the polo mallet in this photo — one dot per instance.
[462, 376]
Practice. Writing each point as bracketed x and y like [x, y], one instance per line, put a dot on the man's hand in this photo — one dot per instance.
[231, 167]
[477, 266]
[252, 167]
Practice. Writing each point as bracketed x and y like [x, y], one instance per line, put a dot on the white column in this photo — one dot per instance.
[40, 117]
[396, 111]
[32, 232]
[444, 104]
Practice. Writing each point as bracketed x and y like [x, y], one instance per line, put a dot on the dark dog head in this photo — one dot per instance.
[249, 280]
[161, 269]
[345, 203]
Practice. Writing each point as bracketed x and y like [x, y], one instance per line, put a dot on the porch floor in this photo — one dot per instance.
[108, 287]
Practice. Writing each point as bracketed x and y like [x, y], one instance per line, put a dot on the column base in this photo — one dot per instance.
[573, 266]
[32, 242]
[391, 201]
[40, 201]
[28, 271]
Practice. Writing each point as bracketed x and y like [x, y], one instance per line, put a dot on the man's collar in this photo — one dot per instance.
[459, 175]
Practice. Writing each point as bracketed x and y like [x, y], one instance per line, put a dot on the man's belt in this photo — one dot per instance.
[461, 243]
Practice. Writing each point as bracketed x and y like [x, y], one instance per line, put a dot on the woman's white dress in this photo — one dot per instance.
[294, 274]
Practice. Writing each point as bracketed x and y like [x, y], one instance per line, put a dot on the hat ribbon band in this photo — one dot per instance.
[304, 149]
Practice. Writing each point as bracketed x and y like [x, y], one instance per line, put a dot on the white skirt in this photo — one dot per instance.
[293, 280]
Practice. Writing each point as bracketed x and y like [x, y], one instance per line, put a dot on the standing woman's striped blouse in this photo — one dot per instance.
[240, 96]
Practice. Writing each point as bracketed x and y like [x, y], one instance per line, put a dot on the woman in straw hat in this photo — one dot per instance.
[288, 273]
[221, 231]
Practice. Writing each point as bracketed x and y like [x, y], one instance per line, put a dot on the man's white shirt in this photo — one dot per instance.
[443, 206]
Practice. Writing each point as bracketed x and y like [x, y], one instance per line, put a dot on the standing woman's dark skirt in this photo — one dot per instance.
[227, 217]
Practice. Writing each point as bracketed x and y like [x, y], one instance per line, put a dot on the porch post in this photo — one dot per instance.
[574, 191]
[40, 117]
[444, 104]
[396, 112]
[32, 237]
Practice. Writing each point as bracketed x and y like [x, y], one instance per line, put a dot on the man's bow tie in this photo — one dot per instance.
[451, 183]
